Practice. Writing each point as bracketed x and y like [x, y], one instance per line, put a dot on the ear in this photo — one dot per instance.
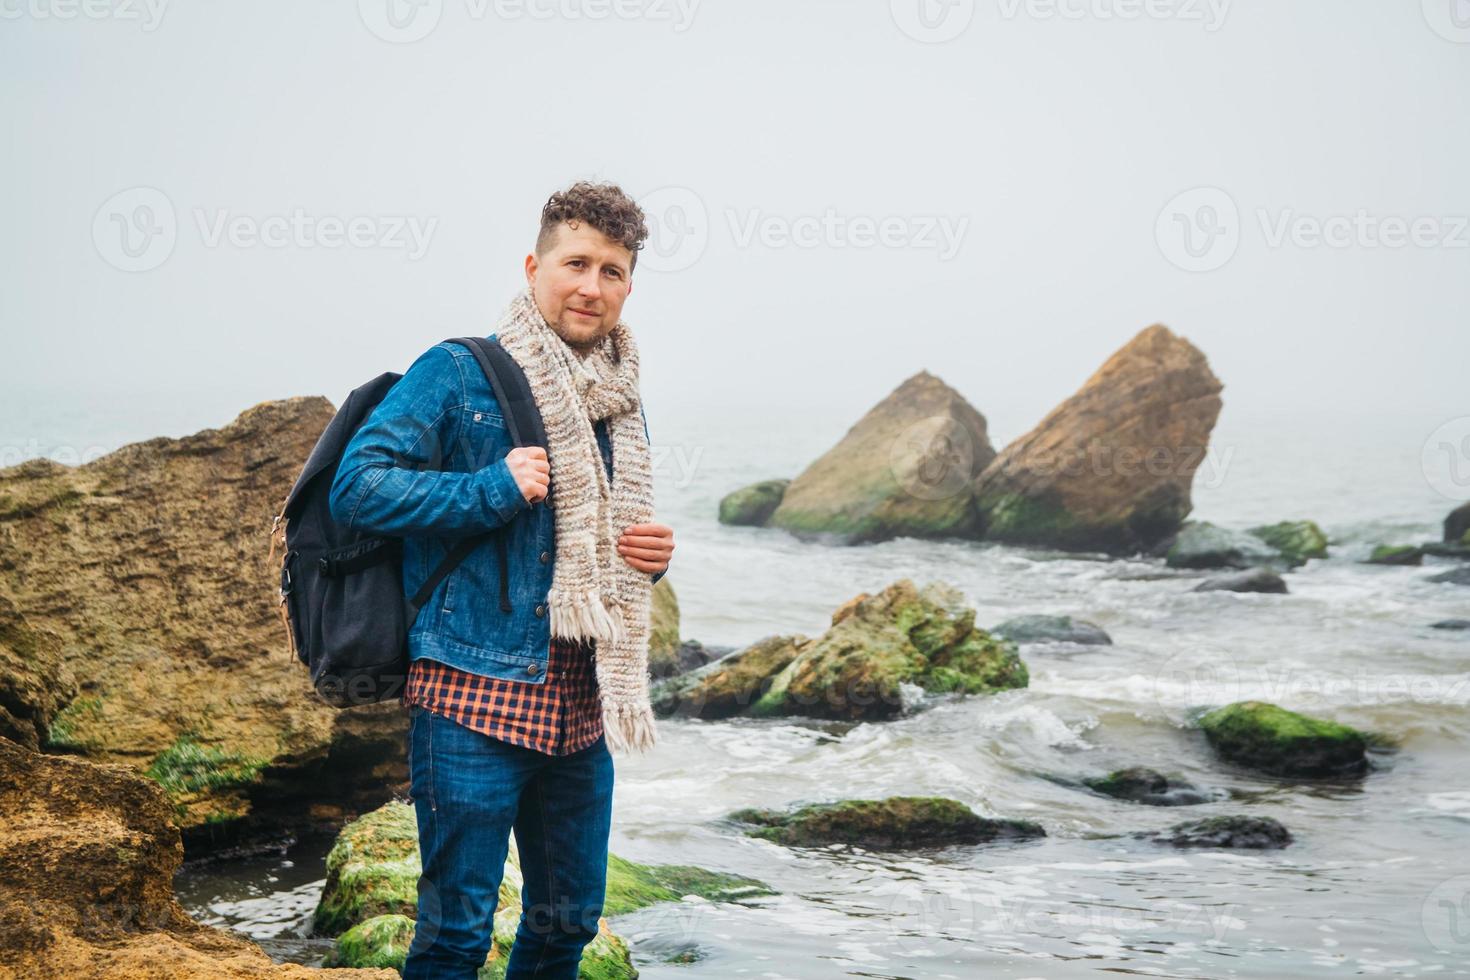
[531, 269]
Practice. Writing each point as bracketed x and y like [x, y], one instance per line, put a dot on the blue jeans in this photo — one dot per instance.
[469, 790]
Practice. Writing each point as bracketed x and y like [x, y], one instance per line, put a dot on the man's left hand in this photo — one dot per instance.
[647, 547]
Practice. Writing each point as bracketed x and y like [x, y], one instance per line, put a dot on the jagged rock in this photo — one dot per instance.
[689, 655]
[1396, 554]
[879, 645]
[904, 469]
[729, 685]
[663, 626]
[1297, 541]
[1200, 544]
[1274, 740]
[87, 862]
[897, 822]
[1139, 784]
[1230, 831]
[1457, 525]
[753, 505]
[1110, 468]
[35, 680]
[370, 898]
[1252, 580]
[1051, 629]
[150, 568]
[1456, 576]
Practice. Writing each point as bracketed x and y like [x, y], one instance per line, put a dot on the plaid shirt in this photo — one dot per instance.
[561, 715]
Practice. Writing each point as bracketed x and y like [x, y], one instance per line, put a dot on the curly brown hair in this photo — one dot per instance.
[603, 206]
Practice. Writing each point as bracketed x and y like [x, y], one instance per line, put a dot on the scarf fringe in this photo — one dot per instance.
[628, 727]
[576, 616]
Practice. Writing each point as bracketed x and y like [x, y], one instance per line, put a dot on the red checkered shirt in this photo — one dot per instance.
[560, 715]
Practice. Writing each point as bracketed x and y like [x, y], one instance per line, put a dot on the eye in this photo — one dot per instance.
[615, 273]
[576, 262]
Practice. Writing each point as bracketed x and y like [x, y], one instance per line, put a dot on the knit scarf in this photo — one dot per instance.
[595, 594]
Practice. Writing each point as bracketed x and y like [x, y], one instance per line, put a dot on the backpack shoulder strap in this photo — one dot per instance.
[512, 390]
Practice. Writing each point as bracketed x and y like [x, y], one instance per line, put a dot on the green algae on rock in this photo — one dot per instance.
[632, 886]
[1281, 742]
[880, 644]
[1139, 784]
[752, 505]
[1396, 554]
[1297, 541]
[1200, 544]
[372, 870]
[663, 629]
[897, 822]
[728, 686]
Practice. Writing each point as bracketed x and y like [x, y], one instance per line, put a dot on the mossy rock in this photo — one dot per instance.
[1201, 544]
[632, 886]
[1396, 554]
[372, 870]
[380, 942]
[1297, 541]
[663, 636]
[753, 505]
[1139, 784]
[728, 686]
[1274, 740]
[898, 822]
[880, 644]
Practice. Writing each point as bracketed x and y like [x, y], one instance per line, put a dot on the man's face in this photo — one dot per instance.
[580, 283]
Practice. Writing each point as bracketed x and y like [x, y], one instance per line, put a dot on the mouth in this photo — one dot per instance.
[590, 316]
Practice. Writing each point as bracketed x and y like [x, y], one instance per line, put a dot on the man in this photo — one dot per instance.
[529, 662]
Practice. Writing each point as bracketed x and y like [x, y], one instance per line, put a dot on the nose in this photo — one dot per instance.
[589, 286]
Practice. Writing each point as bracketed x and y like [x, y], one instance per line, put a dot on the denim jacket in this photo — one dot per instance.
[428, 465]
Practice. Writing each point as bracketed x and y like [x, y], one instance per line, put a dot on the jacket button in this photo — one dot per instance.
[534, 669]
[540, 611]
[477, 416]
[545, 557]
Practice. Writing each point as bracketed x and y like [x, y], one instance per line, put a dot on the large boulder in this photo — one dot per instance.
[730, 685]
[1457, 525]
[1110, 468]
[752, 505]
[1281, 742]
[147, 573]
[884, 649]
[904, 469]
[370, 899]
[898, 822]
[88, 855]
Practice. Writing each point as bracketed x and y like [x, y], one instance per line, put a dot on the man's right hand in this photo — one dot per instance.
[528, 464]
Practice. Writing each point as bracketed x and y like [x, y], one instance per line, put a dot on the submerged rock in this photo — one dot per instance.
[1110, 468]
[1396, 554]
[752, 505]
[1455, 576]
[1039, 628]
[1139, 784]
[898, 822]
[880, 645]
[1200, 544]
[1229, 831]
[1296, 541]
[1254, 580]
[904, 469]
[1451, 624]
[1281, 742]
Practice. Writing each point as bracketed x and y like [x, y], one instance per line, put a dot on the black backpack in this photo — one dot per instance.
[341, 592]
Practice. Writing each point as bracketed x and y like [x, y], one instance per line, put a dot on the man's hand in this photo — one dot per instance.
[647, 547]
[528, 464]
